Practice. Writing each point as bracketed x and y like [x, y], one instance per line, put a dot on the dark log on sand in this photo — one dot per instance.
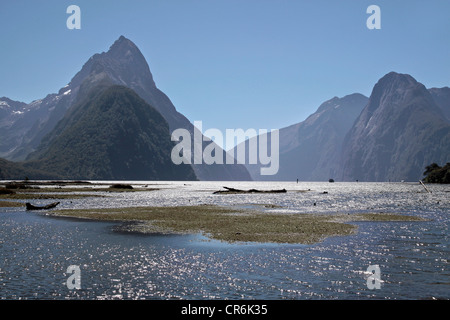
[49, 206]
[236, 191]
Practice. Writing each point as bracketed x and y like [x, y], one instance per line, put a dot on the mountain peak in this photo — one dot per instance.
[6, 102]
[122, 64]
[396, 79]
[350, 101]
[123, 46]
[398, 133]
[122, 38]
[392, 89]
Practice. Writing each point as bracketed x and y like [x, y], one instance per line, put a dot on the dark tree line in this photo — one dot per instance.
[436, 174]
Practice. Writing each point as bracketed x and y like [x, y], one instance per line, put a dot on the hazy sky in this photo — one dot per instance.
[259, 64]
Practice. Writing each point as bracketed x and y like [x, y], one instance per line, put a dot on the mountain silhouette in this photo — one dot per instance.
[399, 132]
[113, 134]
[309, 149]
[123, 64]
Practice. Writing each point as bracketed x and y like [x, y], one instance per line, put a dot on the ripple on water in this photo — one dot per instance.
[413, 257]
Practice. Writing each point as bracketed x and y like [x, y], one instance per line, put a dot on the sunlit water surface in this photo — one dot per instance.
[35, 250]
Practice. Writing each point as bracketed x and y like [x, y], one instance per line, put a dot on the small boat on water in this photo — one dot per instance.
[49, 206]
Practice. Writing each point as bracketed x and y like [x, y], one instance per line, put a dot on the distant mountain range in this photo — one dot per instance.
[30, 130]
[390, 136]
[310, 150]
[112, 122]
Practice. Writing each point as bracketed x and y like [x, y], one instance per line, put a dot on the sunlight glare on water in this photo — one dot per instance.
[413, 256]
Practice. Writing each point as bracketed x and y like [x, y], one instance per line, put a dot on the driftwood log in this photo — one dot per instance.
[49, 206]
[421, 182]
[236, 191]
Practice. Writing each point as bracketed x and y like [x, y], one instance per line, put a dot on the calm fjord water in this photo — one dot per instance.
[35, 250]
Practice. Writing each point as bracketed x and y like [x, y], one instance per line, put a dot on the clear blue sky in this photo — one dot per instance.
[231, 63]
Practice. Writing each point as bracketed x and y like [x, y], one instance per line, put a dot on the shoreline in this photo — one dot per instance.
[225, 223]
[61, 190]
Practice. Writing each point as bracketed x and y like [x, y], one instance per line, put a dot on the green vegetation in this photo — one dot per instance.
[15, 170]
[436, 174]
[111, 134]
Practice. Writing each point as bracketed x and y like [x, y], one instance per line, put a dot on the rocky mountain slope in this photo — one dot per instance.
[113, 134]
[399, 132]
[309, 150]
[123, 64]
